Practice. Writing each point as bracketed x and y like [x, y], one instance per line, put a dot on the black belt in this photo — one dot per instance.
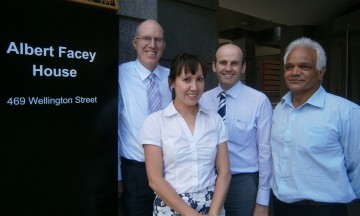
[132, 162]
[249, 173]
[302, 202]
[310, 203]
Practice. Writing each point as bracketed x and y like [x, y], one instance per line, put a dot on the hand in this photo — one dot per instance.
[261, 210]
[120, 189]
[211, 214]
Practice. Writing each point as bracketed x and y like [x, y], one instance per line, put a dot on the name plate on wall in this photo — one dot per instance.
[58, 108]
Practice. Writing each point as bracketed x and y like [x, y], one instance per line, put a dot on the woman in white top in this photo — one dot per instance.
[186, 152]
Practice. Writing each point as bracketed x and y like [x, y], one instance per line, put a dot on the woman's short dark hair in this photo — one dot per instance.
[187, 62]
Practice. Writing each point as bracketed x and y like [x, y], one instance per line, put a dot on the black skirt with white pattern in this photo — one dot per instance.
[200, 201]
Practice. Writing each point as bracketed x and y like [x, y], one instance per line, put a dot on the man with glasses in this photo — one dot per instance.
[143, 89]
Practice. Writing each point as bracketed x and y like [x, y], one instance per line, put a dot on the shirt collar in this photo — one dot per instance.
[317, 99]
[144, 72]
[234, 91]
[170, 109]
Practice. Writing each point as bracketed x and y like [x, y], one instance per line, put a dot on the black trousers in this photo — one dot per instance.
[308, 208]
[138, 197]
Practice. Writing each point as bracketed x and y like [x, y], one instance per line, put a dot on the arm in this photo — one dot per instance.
[351, 144]
[120, 184]
[154, 169]
[261, 210]
[120, 189]
[264, 156]
[223, 179]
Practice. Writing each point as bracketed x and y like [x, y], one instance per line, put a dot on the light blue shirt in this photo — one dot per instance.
[316, 149]
[188, 158]
[133, 106]
[248, 123]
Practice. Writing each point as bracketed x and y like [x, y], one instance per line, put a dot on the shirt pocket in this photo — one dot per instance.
[319, 140]
[240, 133]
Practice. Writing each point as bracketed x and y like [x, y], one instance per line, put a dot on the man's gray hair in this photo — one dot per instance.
[309, 43]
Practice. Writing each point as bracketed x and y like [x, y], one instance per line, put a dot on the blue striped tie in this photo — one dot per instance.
[222, 105]
[153, 95]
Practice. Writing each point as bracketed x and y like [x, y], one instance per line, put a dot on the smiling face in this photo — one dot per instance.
[188, 88]
[228, 65]
[149, 43]
[300, 73]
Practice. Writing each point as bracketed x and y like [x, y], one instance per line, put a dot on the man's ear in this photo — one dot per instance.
[214, 66]
[321, 74]
[134, 42]
[243, 68]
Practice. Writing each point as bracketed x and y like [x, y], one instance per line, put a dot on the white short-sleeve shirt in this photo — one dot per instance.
[189, 159]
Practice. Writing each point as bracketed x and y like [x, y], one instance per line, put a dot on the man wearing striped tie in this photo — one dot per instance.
[143, 89]
[247, 116]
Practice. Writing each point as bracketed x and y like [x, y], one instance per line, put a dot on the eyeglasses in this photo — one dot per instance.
[147, 40]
